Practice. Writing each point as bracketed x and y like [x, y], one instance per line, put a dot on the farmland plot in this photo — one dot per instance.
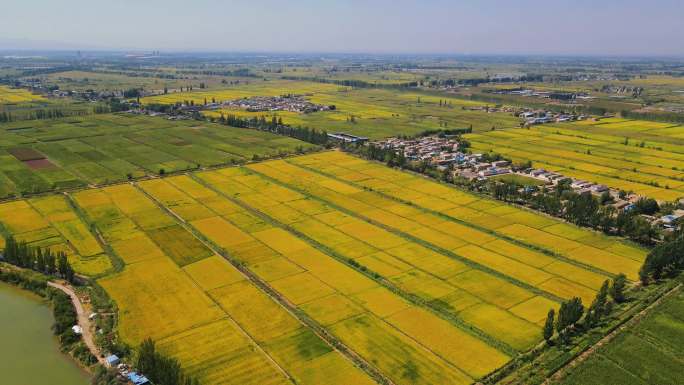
[50, 222]
[318, 284]
[174, 290]
[45, 155]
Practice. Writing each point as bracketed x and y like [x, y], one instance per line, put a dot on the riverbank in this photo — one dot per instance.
[65, 313]
[30, 354]
[83, 320]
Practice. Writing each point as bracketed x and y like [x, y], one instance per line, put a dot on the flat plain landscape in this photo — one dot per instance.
[345, 249]
[253, 257]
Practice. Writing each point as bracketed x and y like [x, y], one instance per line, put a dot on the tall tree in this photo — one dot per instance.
[548, 326]
[617, 289]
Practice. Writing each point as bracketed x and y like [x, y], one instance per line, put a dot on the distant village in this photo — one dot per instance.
[449, 153]
[291, 103]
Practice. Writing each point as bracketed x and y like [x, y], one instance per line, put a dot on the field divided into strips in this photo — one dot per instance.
[639, 130]
[43, 155]
[377, 324]
[49, 222]
[446, 283]
[482, 219]
[599, 158]
[651, 352]
[197, 306]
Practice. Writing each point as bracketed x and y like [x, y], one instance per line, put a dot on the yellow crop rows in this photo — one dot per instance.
[49, 222]
[426, 283]
[17, 95]
[316, 282]
[198, 307]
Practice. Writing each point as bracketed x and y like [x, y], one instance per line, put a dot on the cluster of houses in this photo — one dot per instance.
[490, 109]
[526, 92]
[532, 117]
[342, 137]
[438, 150]
[291, 103]
[114, 362]
[620, 201]
[446, 153]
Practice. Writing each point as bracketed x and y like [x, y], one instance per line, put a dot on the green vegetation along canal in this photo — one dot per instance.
[29, 353]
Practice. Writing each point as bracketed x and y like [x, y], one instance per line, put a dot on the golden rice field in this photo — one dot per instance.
[424, 283]
[50, 222]
[17, 95]
[198, 306]
[651, 163]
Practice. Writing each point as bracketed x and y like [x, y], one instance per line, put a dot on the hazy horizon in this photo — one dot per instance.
[526, 27]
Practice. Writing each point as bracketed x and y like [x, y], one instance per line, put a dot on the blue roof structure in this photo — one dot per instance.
[138, 379]
[112, 360]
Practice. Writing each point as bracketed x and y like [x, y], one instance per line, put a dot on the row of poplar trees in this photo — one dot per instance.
[38, 259]
[159, 368]
[570, 313]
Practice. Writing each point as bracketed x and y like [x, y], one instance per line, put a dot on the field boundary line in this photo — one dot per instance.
[306, 321]
[516, 205]
[465, 223]
[118, 263]
[620, 239]
[495, 342]
[592, 349]
[52, 225]
[412, 298]
[423, 242]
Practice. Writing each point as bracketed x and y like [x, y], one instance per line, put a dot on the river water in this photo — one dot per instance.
[29, 353]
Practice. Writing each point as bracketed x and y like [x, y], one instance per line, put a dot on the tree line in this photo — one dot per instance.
[6, 117]
[664, 261]
[159, 368]
[566, 322]
[275, 125]
[38, 259]
[354, 83]
[562, 201]
[656, 116]
[582, 209]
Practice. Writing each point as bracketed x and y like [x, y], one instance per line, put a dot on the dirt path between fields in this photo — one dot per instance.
[587, 353]
[83, 320]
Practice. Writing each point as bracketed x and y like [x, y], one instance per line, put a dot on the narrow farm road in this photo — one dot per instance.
[83, 320]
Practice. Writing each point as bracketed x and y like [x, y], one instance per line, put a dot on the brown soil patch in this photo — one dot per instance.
[40, 164]
[24, 153]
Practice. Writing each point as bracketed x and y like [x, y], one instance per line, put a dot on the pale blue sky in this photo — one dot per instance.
[598, 27]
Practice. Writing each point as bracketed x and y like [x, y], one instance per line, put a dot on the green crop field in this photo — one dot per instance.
[644, 157]
[649, 353]
[375, 113]
[97, 149]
